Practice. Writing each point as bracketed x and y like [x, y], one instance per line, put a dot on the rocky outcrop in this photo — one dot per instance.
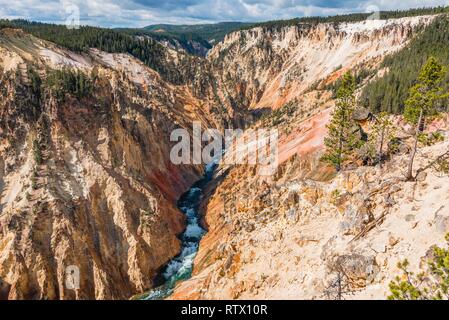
[266, 68]
[88, 182]
[290, 235]
[291, 238]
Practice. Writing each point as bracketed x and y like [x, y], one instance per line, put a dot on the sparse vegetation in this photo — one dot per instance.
[342, 140]
[382, 133]
[34, 177]
[280, 115]
[335, 196]
[421, 103]
[37, 152]
[146, 216]
[430, 138]
[35, 86]
[68, 81]
[442, 165]
[431, 284]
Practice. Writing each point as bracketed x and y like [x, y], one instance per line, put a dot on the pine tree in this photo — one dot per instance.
[422, 100]
[389, 91]
[431, 284]
[342, 139]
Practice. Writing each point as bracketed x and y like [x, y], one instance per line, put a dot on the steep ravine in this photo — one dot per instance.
[104, 196]
[88, 182]
[282, 237]
[180, 268]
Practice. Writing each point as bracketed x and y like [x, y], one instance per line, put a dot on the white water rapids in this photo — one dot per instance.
[180, 268]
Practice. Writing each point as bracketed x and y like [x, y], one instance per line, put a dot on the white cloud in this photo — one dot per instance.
[137, 13]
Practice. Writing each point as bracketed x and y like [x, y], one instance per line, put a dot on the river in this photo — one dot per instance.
[180, 268]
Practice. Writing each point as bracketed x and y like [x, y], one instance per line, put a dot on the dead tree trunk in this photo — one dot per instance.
[381, 147]
[415, 147]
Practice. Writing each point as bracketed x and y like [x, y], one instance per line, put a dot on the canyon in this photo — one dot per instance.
[104, 195]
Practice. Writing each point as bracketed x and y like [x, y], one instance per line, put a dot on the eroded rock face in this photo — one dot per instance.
[355, 219]
[88, 183]
[266, 68]
[283, 247]
[102, 196]
[286, 238]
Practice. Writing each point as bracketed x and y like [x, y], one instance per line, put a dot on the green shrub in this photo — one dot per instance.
[432, 284]
[37, 152]
[430, 139]
[67, 81]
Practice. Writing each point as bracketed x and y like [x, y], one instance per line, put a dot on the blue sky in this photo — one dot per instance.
[139, 13]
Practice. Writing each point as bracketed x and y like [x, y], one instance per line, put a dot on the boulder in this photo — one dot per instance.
[358, 269]
[398, 146]
[355, 220]
[442, 223]
[361, 114]
[421, 177]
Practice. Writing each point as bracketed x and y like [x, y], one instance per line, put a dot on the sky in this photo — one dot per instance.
[140, 13]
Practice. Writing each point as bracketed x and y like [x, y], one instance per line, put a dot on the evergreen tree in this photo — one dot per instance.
[342, 139]
[433, 284]
[64, 81]
[389, 91]
[422, 100]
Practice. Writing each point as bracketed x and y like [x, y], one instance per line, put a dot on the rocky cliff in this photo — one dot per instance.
[86, 179]
[88, 182]
[268, 67]
[290, 236]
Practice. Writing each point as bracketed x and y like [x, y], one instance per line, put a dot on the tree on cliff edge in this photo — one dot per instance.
[342, 138]
[431, 284]
[421, 104]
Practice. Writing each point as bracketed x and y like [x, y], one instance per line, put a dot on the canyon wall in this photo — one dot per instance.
[290, 236]
[266, 67]
[88, 182]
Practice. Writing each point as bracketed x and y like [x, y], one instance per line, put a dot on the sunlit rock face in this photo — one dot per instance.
[287, 236]
[102, 197]
[89, 183]
[268, 67]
